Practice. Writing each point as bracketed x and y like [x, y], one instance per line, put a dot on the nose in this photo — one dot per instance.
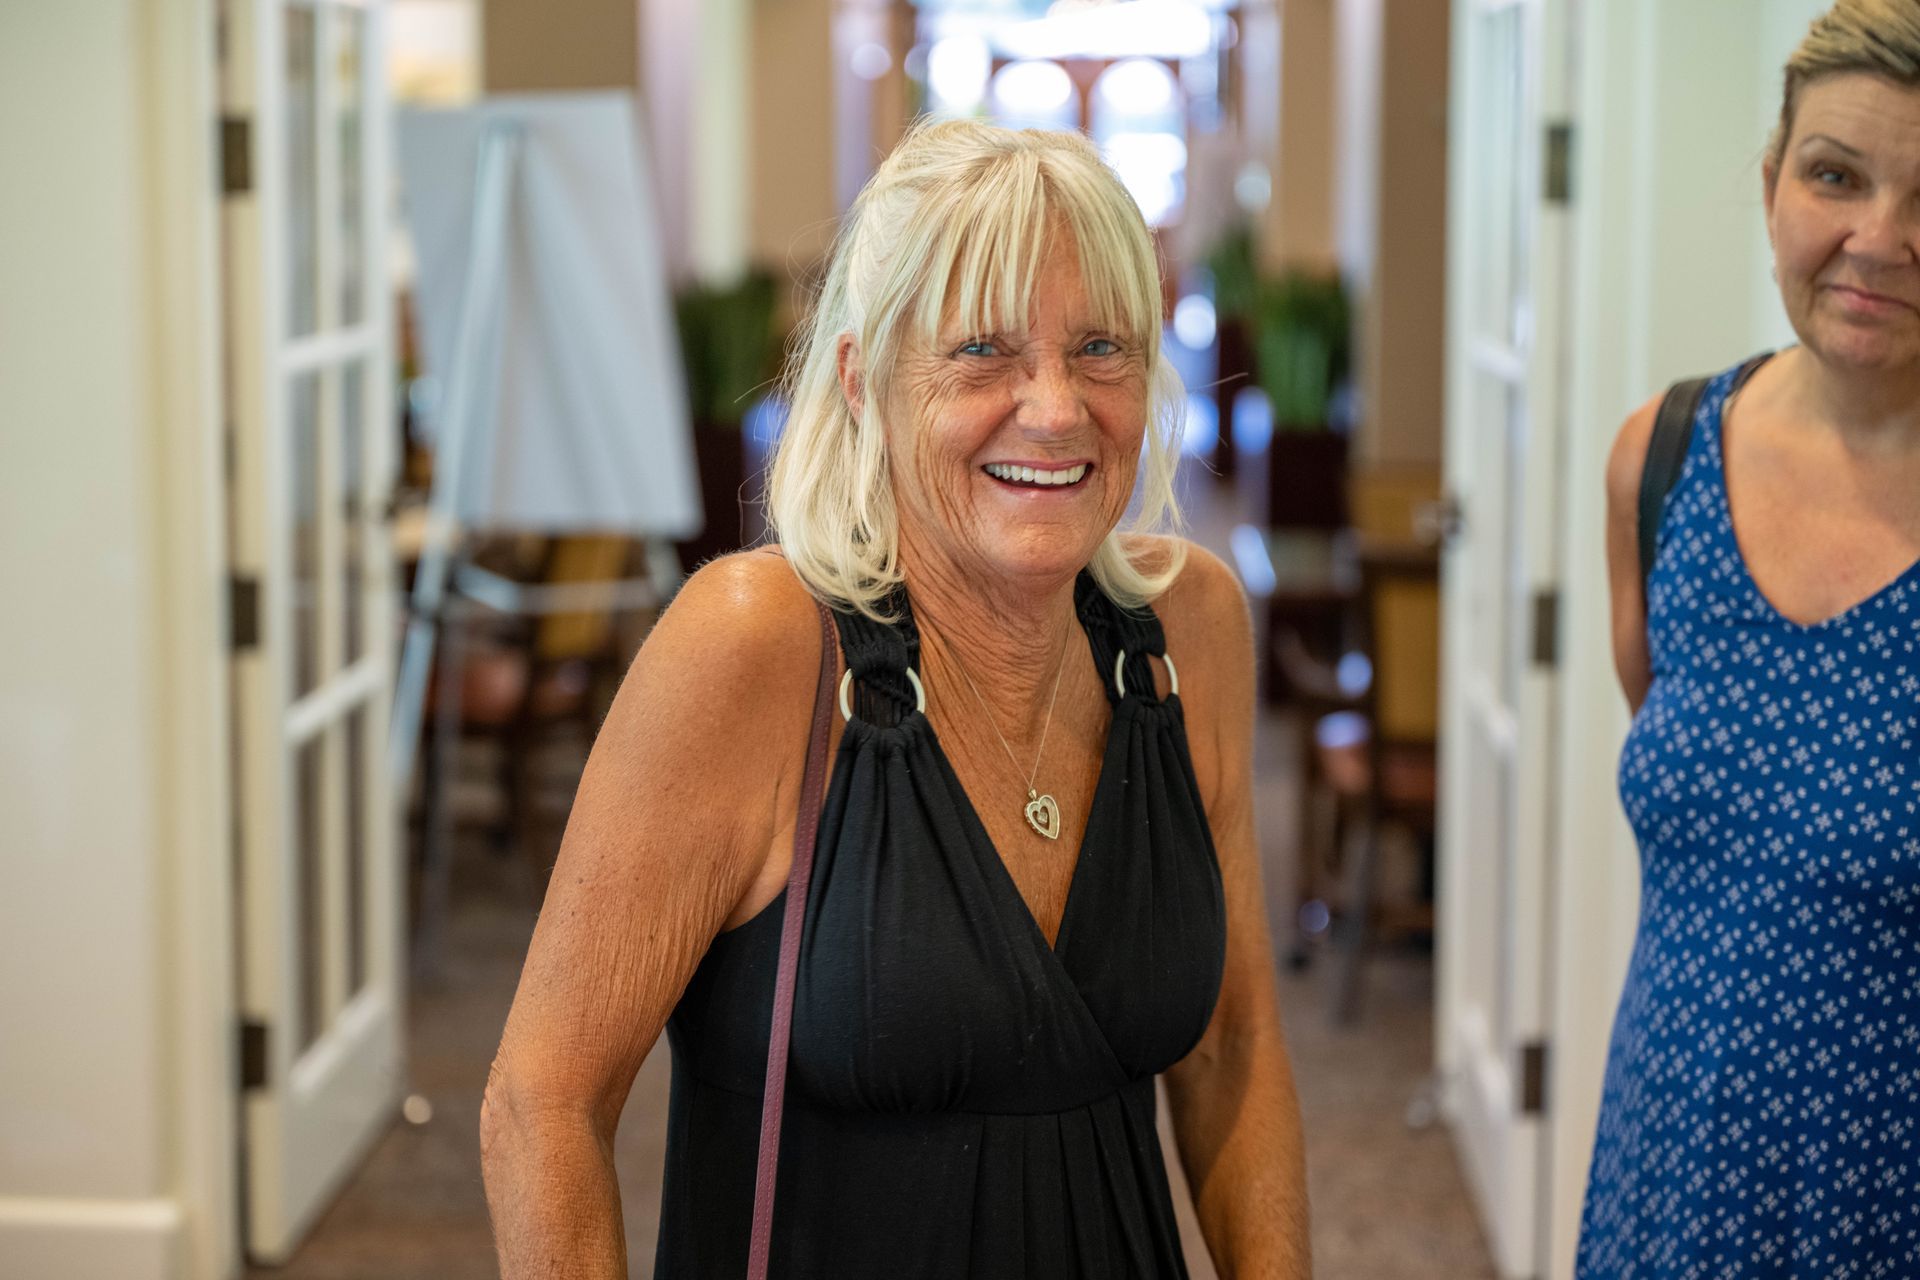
[1047, 396]
[1888, 234]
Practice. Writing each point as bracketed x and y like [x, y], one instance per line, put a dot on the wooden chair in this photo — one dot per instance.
[536, 636]
[1380, 760]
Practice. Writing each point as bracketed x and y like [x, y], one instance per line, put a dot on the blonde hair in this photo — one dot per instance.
[959, 219]
[1874, 37]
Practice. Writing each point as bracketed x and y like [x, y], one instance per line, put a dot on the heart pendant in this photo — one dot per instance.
[1043, 815]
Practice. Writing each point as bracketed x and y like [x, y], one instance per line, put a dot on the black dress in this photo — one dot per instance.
[963, 1099]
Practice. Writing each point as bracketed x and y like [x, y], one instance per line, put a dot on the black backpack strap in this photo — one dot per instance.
[1667, 454]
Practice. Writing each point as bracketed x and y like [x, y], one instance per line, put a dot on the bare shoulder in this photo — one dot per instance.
[745, 609]
[1628, 458]
[1205, 616]
[739, 645]
[1205, 600]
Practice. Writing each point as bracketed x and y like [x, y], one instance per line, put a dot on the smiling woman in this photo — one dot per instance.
[964, 229]
[1031, 885]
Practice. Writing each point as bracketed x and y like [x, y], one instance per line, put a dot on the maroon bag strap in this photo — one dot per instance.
[798, 878]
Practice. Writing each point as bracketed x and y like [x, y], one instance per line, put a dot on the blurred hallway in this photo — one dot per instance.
[415, 1211]
[1452, 240]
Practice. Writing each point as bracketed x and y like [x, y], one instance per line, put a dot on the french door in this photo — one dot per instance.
[312, 453]
[1508, 230]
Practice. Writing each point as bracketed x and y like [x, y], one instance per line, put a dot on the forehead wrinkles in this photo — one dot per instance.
[1863, 111]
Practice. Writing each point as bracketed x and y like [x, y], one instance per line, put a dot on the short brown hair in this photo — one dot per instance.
[1877, 37]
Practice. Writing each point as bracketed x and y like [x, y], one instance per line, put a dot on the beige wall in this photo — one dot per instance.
[559, 44]
[1298, 230]
[1390, 190]
[791, 141]
[690, 63]
[1408, 302]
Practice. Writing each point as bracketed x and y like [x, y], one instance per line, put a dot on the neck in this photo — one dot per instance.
[1873, 411]
[1008, 639]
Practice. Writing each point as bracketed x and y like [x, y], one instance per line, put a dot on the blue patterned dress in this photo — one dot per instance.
[1761, 1113]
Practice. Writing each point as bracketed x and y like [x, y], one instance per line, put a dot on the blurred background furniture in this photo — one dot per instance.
[536, 634]
[1379, 761]
[1349, 597]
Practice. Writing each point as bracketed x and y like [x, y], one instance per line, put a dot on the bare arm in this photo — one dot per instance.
[689, 781]
[1624, 465]
[1235, 1115]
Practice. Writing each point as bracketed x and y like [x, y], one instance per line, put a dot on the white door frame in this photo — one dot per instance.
[1507, 260]
[323, 1044]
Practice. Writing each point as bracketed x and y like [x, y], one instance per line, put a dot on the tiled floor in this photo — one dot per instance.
[1388, 1200]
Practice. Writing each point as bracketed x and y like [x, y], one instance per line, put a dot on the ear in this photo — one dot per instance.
[852, 376]
[1769, 188]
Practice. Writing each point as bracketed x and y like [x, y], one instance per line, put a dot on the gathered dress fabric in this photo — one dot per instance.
[1761, 1107]
[963, 1100]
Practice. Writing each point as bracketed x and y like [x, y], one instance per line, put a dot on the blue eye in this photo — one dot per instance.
[977, 347]
[1828, 176]
[1111, 347]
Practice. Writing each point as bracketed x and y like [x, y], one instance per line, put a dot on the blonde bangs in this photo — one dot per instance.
[989, 248]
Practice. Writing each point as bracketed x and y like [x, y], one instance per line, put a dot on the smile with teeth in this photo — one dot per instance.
[1035, 476]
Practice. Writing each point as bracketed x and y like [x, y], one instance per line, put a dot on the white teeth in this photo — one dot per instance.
[1033, 476]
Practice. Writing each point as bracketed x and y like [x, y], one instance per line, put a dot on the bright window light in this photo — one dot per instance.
[1203, 426]
[957, 71]
[1153, 168]
[1137, 28]
[1138, 87]
[1194, 322]
[1252, 420]
[871, 61]
[1253, 187]
[1034, 95]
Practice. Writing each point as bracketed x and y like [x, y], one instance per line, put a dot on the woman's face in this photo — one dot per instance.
[1013, 453]
[1843, 213]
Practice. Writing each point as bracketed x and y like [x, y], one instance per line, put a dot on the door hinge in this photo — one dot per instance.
[1559, 163]
[253, 1054]
[236, 155]
[243, 612]
[1533, 1078]
[1546, 628]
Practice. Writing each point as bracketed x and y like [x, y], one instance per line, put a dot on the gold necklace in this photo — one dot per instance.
[1042, 812]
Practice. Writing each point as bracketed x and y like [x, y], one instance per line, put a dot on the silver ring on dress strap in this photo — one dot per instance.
[1120, 674]
[846, 687]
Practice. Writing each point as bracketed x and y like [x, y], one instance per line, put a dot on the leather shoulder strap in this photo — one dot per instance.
[799, 877]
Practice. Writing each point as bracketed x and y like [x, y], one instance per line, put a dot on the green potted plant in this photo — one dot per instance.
[1236, 283]
[1303, 349]
[1304, 346]
[730, 344]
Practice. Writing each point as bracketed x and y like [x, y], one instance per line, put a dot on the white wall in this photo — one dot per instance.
[1357, 54]
[1671, 279]
[696, 65]
[116, 1126]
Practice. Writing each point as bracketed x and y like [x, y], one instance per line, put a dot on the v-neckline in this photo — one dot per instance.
[1719, 441]
[983, 839]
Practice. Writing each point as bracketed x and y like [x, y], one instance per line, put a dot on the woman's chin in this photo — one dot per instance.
[1867, 348]
[1043, 563]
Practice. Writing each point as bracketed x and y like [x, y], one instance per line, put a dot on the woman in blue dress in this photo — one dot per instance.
[1761, 1113]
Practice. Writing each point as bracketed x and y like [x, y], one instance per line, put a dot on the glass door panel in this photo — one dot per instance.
[302, 89]
[305, 539]
[310, 349]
